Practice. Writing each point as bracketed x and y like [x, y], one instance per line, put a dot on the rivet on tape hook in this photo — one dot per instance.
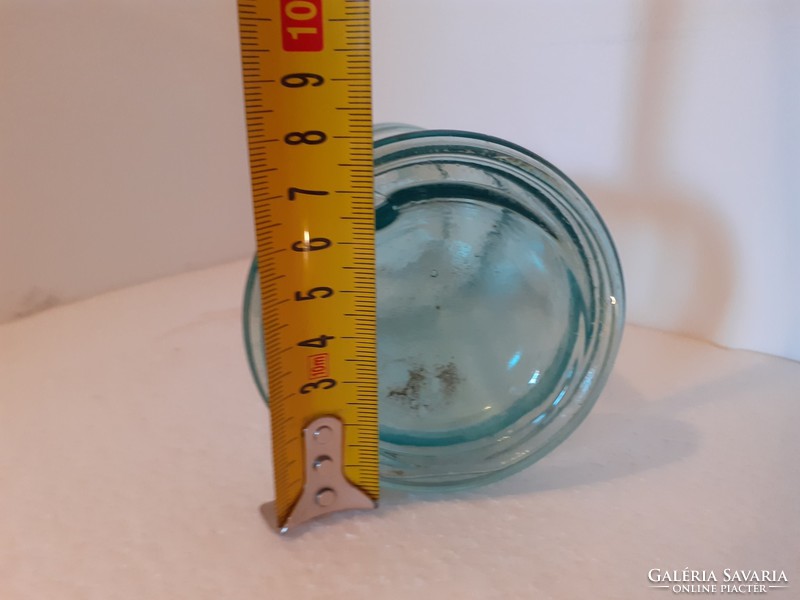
[326, 488]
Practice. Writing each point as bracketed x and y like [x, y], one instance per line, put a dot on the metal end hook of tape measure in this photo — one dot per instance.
[326, 488]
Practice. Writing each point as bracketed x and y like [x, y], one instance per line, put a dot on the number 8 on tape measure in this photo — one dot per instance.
[307, 89]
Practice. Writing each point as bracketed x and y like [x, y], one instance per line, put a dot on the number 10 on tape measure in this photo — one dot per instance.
[307, 88]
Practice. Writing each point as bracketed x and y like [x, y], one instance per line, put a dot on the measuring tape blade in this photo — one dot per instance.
[307, 87]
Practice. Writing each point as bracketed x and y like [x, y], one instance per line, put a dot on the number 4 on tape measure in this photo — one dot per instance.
[307, 89]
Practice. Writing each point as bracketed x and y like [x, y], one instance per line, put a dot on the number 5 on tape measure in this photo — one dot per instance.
[307, 88]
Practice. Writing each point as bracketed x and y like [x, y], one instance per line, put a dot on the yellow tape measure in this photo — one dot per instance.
[307, 86]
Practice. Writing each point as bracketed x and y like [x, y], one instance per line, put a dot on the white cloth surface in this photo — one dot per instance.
[135, 453]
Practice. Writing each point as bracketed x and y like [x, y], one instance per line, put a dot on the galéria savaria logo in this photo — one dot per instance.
[727, 581]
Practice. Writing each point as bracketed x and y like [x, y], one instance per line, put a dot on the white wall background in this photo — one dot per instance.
[122, 153]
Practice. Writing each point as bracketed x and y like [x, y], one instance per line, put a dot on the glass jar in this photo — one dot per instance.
[500, 307]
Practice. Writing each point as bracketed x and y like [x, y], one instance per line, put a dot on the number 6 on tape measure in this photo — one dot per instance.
[307, 90]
